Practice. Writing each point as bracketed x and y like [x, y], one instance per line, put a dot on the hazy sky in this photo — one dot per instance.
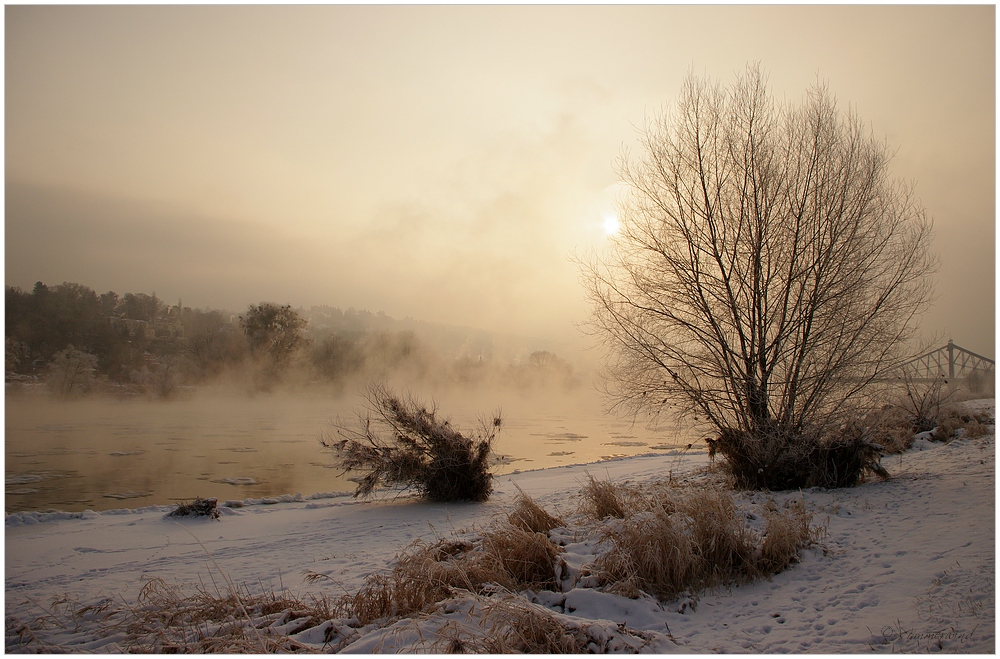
[438, 162]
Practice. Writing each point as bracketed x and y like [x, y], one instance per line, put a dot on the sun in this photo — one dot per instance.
[611, 225]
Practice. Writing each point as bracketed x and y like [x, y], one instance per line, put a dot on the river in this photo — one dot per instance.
[101, 454]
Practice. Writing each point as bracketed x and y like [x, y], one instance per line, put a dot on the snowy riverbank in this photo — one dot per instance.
[906, 564]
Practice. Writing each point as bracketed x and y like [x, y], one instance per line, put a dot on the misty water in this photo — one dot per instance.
[101, 454]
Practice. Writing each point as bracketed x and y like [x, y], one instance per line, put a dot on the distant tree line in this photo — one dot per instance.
[76, 340]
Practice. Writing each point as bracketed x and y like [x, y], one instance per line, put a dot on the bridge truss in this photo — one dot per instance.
[951, 361]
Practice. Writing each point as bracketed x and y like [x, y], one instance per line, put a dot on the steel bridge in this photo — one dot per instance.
[951, 361]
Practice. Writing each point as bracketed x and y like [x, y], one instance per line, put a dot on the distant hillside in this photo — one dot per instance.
[450, 341]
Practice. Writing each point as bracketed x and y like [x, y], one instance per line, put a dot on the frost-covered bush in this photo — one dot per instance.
[399, 442]
[71, 373]
[776, 460]
[924, 402]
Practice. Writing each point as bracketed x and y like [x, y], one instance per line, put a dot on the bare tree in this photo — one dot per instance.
[767, 271]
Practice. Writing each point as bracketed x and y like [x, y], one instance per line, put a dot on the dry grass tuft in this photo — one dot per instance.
[891, 428]
[448, 548]
[946, 428]
[30, 634]
[166, 621]
[505, 558]
[649, 553]
[603, 499]
[974, 428]
[511, 624]
[529, 516]
[679, 540]
[723, 544]
[405, 590]
[784, 534]
[953, 422]
[516, 626]
[525, 559]
[894, 426]
[508, 557]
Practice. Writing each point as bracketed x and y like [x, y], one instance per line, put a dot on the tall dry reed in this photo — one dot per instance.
[676, 540]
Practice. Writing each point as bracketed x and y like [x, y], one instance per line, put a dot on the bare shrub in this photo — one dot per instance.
[775, 460]
[401, 443]
[847, 457]
[979, 383]
[685, 539]
[197, 508]
[924, 401]
[529, 516]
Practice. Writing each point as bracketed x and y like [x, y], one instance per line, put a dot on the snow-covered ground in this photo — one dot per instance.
[906, 564]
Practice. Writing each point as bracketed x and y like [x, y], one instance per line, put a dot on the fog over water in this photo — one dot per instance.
[101, 454]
